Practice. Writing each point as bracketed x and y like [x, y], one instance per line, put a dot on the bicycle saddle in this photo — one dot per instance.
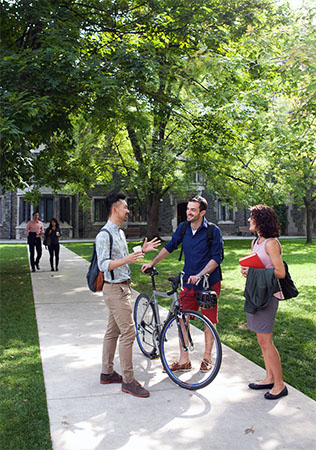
[152, 271]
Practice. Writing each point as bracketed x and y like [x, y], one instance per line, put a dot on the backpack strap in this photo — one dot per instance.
[210, 230]
[183, 230]
[111, 245]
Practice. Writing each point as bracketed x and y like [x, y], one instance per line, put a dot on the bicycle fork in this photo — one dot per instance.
[184, 331]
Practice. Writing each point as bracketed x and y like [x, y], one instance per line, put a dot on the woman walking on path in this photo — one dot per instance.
[52, 234]
[263, 220]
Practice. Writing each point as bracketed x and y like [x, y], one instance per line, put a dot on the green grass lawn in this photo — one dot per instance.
[24, 419]
[295, 326]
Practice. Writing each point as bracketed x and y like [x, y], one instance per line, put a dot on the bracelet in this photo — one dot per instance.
[200, 275]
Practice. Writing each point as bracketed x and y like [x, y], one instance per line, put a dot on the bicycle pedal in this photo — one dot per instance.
[154, 356]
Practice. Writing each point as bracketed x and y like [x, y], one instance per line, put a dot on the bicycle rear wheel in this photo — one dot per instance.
[193, 336]
[145, 323]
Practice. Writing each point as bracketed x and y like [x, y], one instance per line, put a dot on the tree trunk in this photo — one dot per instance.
[308, 212]
[153, 202]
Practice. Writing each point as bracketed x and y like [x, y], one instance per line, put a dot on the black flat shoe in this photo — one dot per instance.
[269, 396]
[260, 386]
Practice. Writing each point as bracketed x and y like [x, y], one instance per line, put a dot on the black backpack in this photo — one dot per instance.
[209, 238]
[93, 270]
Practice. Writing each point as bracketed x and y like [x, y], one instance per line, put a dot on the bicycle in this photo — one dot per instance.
[181, 327]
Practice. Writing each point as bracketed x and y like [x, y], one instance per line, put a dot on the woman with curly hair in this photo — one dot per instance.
[264, 221]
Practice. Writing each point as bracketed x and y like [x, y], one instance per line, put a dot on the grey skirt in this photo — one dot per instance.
[262, 321]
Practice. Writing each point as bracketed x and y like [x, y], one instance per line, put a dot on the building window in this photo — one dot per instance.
[24, 211]
[46, 209]
[64, 209]
[137, 212]
[99, 210]
[224, 212]
[198, 178]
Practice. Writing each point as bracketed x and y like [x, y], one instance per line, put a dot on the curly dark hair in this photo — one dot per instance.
[266, 220]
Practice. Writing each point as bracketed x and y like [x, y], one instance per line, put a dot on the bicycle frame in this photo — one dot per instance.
[154, 301]
[174, 305]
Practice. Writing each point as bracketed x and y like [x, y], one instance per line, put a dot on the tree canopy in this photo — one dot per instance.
[154, 90]
[261, 139]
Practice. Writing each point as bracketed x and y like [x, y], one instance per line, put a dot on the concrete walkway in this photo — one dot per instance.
[85, 415]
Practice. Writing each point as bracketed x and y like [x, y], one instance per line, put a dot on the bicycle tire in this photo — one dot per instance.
[145, 324]
[169, 351]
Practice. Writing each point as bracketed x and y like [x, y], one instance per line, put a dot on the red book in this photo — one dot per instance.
[252, 260]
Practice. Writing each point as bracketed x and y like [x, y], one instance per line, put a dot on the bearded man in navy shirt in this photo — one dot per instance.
[200, 259]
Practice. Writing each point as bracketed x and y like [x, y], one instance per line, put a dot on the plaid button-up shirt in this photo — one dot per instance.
[119, 250]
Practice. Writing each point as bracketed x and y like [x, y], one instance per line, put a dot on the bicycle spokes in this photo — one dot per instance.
[185, 333]
[145, 323]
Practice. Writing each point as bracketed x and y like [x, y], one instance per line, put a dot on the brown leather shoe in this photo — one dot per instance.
[176, 367]
[206, 365]
[135, 388]
[110, 378]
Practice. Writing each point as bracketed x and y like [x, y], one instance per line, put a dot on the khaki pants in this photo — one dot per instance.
[117, 297]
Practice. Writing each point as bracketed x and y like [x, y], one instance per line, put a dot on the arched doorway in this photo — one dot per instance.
[181, 212]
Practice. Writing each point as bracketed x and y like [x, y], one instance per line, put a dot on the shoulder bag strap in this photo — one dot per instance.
[111, 245]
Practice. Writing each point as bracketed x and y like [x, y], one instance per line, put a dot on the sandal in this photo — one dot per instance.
[176, 367]
[206, 365]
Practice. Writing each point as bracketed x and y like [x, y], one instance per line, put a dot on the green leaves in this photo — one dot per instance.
[152, 91]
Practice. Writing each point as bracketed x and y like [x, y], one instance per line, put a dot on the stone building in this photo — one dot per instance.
[79, 223]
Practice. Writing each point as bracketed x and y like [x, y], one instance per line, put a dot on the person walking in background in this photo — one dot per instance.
[34, 229]
[52, 235]
[113, 260]
[264, 221]
[200, 259]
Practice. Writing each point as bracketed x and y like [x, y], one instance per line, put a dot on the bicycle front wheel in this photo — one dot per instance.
[187, 329]
[145, 323]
